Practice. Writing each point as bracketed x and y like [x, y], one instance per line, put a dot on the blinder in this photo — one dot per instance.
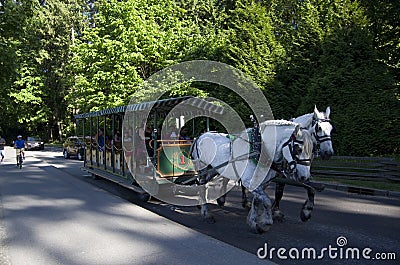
[296, 151]
[295, 147]
[321, 139]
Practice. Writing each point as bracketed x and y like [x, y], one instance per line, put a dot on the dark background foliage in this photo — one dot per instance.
[61, 57]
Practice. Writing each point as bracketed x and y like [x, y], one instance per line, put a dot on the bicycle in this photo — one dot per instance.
[20, 160]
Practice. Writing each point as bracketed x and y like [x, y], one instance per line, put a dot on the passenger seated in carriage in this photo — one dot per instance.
[169, 135]
[183, 136]
[117, 140]
[148, 141]
[99, 139]
[143, 133]
[128, 145]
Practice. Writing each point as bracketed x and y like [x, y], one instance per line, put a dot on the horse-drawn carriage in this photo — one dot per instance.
[150, 140]
[159, 149]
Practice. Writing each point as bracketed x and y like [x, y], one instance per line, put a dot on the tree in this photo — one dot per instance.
[359, 87]
[131, 40]
[385, 26]
[12, 20]
[253, 48]
[300, 27]
[41, 51]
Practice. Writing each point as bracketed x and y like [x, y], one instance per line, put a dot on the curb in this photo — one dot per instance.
[362, 190]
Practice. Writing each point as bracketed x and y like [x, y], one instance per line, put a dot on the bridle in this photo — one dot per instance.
[320, 139]
[293, 144]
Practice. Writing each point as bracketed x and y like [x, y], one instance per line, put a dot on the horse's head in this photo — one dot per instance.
[298, 152]
[321, 130]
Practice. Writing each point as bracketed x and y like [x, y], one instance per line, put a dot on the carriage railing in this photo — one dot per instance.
[108, 157]
[172, 157]
[171, 142]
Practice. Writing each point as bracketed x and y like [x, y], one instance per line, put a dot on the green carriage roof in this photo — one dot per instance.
[164, 106]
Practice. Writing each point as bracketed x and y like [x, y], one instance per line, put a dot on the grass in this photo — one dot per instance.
[391, 186]
[361, 167]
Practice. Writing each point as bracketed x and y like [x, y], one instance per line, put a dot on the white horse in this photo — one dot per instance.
[217, 154]
[319, 125]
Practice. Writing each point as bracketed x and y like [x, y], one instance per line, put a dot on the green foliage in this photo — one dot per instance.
[384, 24]
[253, 48]
[358, 87]
[131, 41]
[62, 58]
[38, 38]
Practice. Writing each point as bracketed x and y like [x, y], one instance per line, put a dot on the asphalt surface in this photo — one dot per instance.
[342, 226]
[49, 215]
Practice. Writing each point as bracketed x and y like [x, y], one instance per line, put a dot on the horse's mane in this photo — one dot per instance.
[305, 120]
[278, 123]
[308, 143]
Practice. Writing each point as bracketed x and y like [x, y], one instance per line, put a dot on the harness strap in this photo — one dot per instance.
[316, 120]
[194, 145]
[320, 139]
[290, 143]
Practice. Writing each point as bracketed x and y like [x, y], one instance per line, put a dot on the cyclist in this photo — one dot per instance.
[19, 145]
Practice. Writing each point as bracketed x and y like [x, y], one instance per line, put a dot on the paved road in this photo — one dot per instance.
[48, 215]
[365, 222]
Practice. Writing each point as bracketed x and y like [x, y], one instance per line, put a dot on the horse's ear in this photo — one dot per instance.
[328, 112]
[316, 112]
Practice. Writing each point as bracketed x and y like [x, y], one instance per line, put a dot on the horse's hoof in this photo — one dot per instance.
[278, 216]
[246, 205]
[221, 202]
[209, 219]
[305, 217]
[255, 229]
[259, 229]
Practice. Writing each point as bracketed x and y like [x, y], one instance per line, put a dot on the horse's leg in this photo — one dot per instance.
[276, 212]
[260, 214]
[245, 201]
[254, 212]
[308, 206]
[221, 200]
[202, 194]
